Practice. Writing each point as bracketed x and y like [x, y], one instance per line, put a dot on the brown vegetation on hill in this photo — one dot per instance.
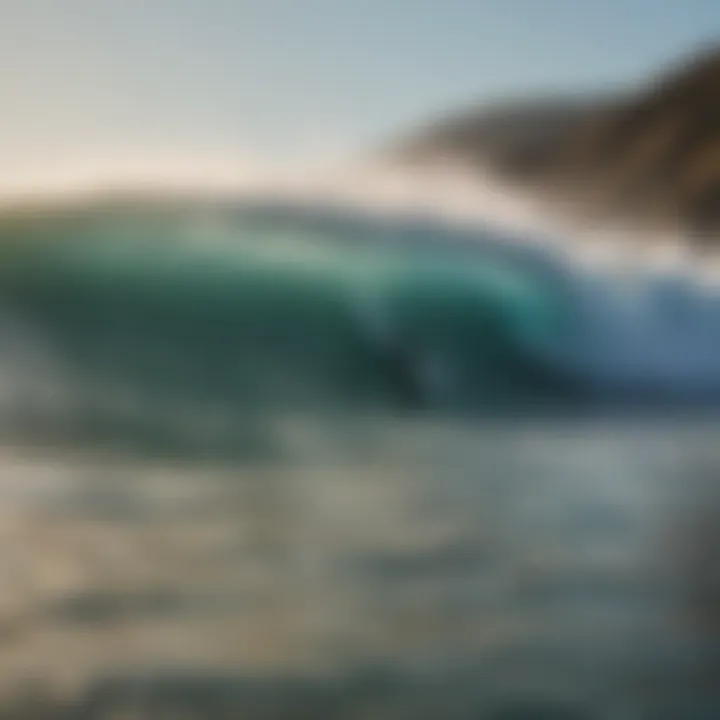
[648, 156]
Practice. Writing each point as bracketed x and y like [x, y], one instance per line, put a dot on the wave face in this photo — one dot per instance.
[197, 316]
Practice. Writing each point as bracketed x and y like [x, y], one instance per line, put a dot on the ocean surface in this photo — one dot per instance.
[276, 460]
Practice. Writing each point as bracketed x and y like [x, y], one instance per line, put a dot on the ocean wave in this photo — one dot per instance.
[196, 314]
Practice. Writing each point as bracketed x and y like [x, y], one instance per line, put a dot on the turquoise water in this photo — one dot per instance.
[130, 320]
[228, 311]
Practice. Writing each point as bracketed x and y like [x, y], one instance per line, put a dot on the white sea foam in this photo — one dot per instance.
[447, 191]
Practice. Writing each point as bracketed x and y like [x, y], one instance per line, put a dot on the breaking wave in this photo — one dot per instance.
[194, 313]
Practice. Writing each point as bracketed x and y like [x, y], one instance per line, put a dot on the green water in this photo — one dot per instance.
[232, 312]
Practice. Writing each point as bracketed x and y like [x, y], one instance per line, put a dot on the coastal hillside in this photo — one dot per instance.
[648, 157]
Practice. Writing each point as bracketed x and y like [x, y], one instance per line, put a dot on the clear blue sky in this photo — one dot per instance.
[82, 78]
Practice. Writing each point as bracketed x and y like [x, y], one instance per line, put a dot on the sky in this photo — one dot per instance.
[213, 85]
